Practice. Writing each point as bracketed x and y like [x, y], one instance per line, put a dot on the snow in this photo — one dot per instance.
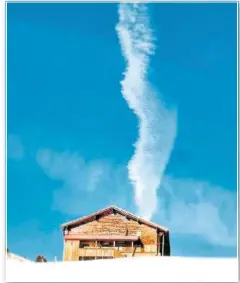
[144, 269]
[14, 257]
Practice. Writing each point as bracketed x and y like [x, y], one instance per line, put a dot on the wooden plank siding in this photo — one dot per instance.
[115, 224]
[126, 236]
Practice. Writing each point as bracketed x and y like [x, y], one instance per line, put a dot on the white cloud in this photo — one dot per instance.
[15, 148]
[191, 207]
[157, 124]
[86, 186]
[187, 207]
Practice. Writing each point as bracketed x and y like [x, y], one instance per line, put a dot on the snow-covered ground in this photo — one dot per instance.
[11, 256]
[147, 269]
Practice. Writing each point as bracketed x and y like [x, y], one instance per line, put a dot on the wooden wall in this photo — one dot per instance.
[114, 224]
[71, 250]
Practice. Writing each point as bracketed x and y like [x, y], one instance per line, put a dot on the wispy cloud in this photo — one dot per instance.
[15, 148]
[85, 186]
[157, 123]
[190, 207]
[199, 212]
[187, 206]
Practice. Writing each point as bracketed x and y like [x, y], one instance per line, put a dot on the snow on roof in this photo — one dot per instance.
[144, 269]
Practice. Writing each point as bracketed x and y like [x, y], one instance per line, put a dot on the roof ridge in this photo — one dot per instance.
[140, 218]
[147, 222]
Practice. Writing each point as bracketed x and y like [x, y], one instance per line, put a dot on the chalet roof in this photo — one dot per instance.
[121, 211]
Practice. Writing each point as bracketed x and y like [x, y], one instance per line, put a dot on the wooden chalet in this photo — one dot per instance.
[113, 232]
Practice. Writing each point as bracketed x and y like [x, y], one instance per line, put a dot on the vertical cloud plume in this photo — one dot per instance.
[157, 123]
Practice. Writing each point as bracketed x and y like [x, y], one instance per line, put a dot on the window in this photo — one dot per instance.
[83, 245]
[123, 244]
[128, 244]
[106, 244]
[138, 244]
[119, 244]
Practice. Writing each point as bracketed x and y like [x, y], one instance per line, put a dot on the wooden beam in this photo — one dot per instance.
[97, 217]
[163, 245]
[111, 238]
[64, 250]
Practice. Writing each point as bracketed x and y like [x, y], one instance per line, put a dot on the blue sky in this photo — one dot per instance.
[71, 132]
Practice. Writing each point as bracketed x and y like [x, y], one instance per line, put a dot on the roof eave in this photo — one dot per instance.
[149, 223]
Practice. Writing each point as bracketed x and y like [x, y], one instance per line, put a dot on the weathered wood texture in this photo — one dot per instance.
[71, 249]
[113, 224]
[94, 252]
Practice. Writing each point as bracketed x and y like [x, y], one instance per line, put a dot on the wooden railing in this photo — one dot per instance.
[110, 252]
[96, 252]
[129, 249]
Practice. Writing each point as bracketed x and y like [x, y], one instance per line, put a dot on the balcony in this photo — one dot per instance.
[98, 253]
